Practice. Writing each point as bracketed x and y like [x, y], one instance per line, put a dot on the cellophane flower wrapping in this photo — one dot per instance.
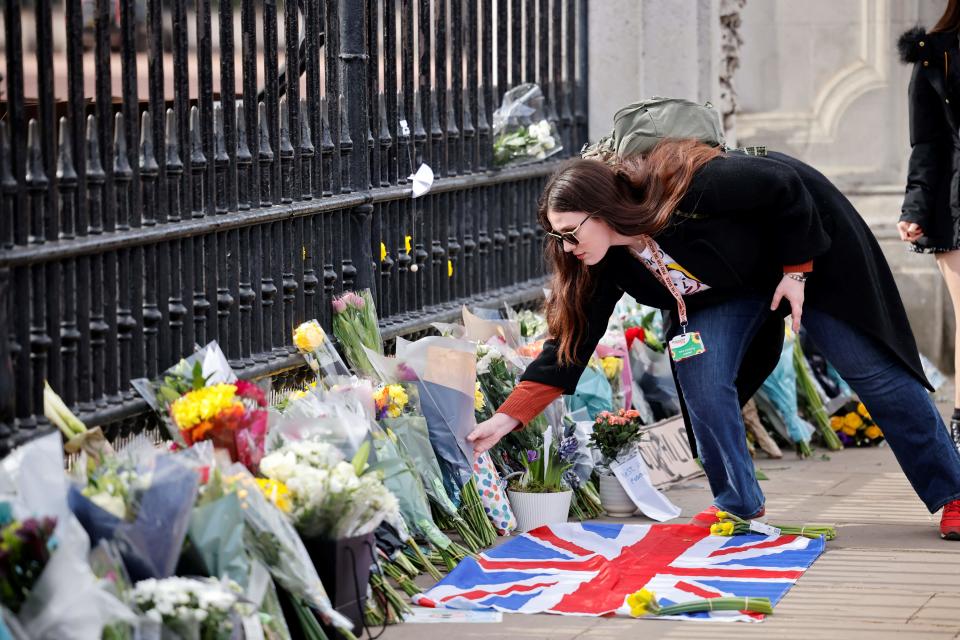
[339, 416]
[143, 506]
[318, 350]
[355, 325]
[446, 381]
[330, 498]
[67, 602]
[521, 132]
[270, 536]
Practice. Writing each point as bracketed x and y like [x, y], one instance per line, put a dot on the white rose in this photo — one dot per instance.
[279, 465]
[548, 142]
[111, 504]
[534, 150]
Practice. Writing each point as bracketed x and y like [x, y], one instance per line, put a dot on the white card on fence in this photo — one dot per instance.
[635, 480]
[422, 180]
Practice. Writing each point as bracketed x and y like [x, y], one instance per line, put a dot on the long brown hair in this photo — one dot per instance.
[950, 20]
[636, 196]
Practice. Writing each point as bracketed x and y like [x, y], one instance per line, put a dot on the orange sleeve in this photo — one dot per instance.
[528, 400]
[806, 267]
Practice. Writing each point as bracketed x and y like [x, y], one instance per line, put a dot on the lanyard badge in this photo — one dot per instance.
[686, 345]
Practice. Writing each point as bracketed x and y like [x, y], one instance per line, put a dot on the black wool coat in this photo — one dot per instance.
[742, 219]
[932, 197]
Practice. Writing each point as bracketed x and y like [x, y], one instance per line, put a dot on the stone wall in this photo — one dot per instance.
[817, 79]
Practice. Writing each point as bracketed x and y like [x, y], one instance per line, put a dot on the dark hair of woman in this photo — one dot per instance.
[635, 197]
[950, 20]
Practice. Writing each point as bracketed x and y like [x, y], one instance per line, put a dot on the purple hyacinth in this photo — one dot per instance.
[568, 447]
[532, 455]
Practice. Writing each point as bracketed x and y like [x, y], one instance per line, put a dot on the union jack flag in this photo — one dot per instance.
[588, 569]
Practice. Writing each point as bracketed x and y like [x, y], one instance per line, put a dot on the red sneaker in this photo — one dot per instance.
[950, 521]
[708, 516]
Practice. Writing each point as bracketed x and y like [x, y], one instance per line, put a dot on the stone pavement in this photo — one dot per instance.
[888, 574]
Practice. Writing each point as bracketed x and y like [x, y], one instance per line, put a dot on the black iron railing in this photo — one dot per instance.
[140, 216]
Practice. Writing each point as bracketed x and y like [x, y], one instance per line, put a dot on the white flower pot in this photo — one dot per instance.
[537, 509]
[614, 498]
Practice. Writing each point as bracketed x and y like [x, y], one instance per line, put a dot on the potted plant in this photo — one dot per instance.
[540, 495]
[615, 434]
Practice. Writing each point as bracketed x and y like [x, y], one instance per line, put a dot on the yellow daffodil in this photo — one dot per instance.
[203, 404]
[407, 243]
[722, 529]
[853, 420]
[612, 366]
[836, 423]
[449, 268]
[309, 336]
[276, 492]
[642, 602]
[383, 252]
[862, 410]
[479, 402]
[873, 432]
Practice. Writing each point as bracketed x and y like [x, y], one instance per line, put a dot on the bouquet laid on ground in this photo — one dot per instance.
[270, 537]
[60, 597]
[730, 525]
[615, 434]
[855, 427]
[329, 497]
[355, 326]
[312, 341]
[191, 608]
[521, 132]
[645, 603]
[200, 398]
[232, 416]
[142, 504]
[25, 549]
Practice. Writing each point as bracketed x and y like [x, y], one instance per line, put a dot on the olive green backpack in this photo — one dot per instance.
[639, 126]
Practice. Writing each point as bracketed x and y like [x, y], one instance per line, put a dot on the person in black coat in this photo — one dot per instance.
[726, 241]
[930, 216]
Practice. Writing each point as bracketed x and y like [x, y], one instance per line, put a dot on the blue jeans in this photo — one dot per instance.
[896, 400]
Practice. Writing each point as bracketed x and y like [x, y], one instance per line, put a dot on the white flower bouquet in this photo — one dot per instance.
[330, 498]
[190, 607]
[521, 132]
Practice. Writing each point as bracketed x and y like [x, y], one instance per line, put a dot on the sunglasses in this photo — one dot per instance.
[569, 236]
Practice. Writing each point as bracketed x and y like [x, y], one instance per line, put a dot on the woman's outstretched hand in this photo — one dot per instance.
[792, 290]
[489, 432]
[909, 231]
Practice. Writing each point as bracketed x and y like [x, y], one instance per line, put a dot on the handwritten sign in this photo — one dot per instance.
[666, 452]
[635, 480]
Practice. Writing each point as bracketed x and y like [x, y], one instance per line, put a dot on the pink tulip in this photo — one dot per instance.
[339, 305]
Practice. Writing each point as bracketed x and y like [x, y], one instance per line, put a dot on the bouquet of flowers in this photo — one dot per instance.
[355, 326]
[65, 600]
[231, 415]
[270, 537]
[854, 426]
[329, 497]
[616, 433]
[143, 506]
[25, 549]
[521, 132]
[191, 607]
[312, 341]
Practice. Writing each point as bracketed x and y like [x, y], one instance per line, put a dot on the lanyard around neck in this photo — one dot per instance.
[663, 275]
